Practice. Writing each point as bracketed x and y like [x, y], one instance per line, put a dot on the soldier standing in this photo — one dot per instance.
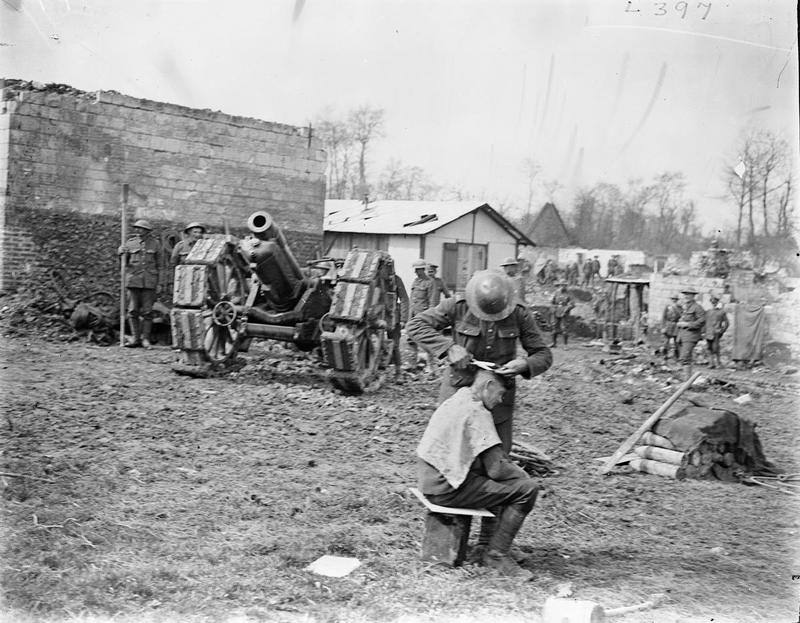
[561, 306]
[595, 268]
[420, 300]
[716, 325]
[510, 266]
[192, 233]
[669, 326]
[588, 271]
[690, 327]
[144, 260]
[438, 289]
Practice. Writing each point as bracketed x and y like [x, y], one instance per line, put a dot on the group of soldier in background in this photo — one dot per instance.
[684, 325]
[144, 261]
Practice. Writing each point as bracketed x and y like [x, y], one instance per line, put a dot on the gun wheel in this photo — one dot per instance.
[366, 377]
[205, 319]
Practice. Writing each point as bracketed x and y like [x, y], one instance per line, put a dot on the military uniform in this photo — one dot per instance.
[495, 342]
[688, 336]
[420, 298]
[561, 306]
[144, 261]
[438, 289]
[716, 325]
[180, 251]
[669, 321]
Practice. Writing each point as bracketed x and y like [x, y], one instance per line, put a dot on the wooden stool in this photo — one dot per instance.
[446, 531]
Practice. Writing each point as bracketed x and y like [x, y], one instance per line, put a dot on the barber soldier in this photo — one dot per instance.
[488, 322]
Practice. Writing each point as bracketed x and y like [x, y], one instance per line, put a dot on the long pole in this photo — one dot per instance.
[123, 265]
[646, 426]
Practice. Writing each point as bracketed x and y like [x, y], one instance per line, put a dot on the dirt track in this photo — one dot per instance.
[168, 498]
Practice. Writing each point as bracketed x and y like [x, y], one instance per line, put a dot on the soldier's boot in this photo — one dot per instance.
[565, 339]
[497, 555]
[135, 338]
[687, 371]
[147, 326]
[555, 339]
[488, 527]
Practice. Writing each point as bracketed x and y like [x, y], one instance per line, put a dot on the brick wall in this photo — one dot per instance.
[64, 156]
[783, 310]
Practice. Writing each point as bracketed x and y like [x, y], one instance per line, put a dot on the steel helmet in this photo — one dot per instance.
[419, 264]
[193, 225]
[490, 295]
[143, 224]
[510, 261]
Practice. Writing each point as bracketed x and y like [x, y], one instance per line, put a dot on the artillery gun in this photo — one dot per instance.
[232, 290]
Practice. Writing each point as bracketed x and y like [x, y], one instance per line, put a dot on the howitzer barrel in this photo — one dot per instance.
[274, 262]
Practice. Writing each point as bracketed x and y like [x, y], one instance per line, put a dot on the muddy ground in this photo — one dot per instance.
[130, 493]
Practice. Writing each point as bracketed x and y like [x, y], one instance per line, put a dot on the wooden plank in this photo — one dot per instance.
[448, 510]
[646, 425]
[621, 460]
[445, 539]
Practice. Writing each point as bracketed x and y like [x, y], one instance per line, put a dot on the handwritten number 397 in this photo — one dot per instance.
[662, 8]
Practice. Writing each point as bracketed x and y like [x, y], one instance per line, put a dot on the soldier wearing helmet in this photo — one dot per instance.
[487, 324]
[144, 261]
[510, 266]
[192, 233]
[419, 301]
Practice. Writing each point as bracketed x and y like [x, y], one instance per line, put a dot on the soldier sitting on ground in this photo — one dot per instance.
[461, 463]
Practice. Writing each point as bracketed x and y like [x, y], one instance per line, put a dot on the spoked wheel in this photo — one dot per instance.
[221, 341]
[206, 327]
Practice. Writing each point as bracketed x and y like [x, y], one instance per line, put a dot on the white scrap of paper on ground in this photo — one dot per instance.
[333, 566]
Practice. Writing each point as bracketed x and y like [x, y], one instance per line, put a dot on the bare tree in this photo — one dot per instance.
[763, 179]
[366, 124]
[337, 140]
[398, 181]
[531, 170]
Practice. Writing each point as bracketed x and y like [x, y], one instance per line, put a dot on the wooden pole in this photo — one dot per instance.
[646, 426]
[123, 265]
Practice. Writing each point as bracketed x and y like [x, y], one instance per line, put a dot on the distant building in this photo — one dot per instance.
[459, 236]
[548, 228]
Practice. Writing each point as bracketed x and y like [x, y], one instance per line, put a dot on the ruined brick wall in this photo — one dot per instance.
[64, 156]
[783, 312]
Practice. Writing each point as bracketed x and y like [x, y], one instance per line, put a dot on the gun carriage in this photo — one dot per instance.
[230, 291]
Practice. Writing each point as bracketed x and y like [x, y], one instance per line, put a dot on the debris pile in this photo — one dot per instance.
[532, 460]
[42, 305]
[699, 442]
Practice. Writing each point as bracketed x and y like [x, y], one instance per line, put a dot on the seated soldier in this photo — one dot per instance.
[461, 463]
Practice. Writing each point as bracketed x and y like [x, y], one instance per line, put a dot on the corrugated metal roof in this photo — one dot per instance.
[404, 217]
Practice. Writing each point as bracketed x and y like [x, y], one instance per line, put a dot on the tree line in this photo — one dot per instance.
[655, 214]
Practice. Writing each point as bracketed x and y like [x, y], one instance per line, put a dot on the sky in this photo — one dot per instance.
[592, 90]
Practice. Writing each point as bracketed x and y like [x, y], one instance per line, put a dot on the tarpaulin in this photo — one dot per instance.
[691, 426]
[749, 332]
